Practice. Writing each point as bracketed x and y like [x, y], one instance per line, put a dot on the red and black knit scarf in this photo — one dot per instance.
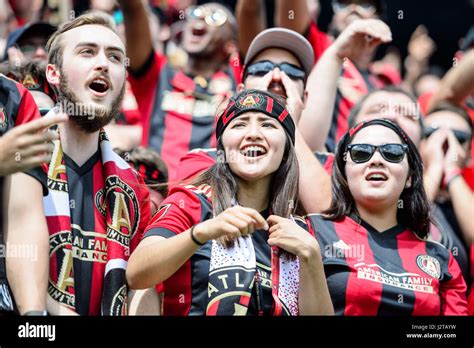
[117, 205]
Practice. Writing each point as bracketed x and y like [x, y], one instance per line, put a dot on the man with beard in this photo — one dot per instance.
[178, 105]
[97, 206]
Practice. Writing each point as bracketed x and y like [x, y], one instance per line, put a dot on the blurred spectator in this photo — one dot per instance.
[178, 106]
[153, 170]
[32, 75]
[356, 77]
[428, 81]
[28, 43]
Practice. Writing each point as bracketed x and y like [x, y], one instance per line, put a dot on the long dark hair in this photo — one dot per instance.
[283, 192]
[415, 213]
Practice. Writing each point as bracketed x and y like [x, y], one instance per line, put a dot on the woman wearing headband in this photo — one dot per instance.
[227, 244]
[373, 237]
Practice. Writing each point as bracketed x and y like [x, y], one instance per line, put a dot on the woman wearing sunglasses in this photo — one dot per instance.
[227, 243]
[373, 237]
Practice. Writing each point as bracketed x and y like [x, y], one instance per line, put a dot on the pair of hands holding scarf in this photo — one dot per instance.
[239, 221]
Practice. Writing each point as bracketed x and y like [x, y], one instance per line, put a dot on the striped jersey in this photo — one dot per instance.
[387, 273]
[186, 291]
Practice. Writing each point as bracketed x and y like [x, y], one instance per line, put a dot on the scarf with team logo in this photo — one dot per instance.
[239, 263]
[117, 206]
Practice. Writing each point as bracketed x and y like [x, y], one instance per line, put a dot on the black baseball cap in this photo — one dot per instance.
[36, 28]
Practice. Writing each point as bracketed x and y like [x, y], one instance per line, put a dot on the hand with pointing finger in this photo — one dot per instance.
[28, 145]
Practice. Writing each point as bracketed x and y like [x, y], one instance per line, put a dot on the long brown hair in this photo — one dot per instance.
[283, 192]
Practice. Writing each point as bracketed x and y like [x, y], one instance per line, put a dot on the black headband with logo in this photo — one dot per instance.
[260, 101]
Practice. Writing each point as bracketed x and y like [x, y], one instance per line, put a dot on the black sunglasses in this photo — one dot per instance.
[262, 67]
[361, 153]
[462, 137]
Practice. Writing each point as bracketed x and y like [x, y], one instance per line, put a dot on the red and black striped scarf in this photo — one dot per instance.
[118, 204]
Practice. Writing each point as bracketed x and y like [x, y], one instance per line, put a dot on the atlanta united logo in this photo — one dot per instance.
[122, 204]
[249, 101]
[429, 265]
[99, 201]
[30, 82]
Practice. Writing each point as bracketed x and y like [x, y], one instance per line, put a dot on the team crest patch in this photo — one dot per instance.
[249, 101]
[30, 82]
[429, 265]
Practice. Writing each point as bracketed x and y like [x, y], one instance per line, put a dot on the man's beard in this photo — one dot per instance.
[90, 118]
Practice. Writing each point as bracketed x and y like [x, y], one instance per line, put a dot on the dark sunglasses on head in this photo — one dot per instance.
[213, 17]
[361, 153]
[265, 66]
[462, 137]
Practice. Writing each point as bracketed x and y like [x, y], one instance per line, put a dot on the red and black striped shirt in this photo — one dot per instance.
[353, 84]
[186, 291]
[387, 273]
[17, 107]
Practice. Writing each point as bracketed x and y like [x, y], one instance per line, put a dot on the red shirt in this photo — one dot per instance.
[353, 84]
[387, 273]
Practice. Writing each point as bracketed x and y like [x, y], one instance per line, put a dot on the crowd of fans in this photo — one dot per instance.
[170, 158]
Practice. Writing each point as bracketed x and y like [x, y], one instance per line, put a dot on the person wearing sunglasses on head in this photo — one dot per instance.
[178, 104]
[356, 30]
[278, 60]
[377, 258]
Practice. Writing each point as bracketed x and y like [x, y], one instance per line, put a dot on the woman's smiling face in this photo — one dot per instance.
[254, 145]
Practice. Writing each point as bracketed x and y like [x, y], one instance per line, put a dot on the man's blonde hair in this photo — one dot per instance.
[54, 47]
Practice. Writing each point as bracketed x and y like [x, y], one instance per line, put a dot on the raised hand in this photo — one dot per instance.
[361, 36]
[28, 145]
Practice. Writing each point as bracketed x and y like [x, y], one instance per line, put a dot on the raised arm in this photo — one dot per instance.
[458, 82]
[250, 15]
[314, 181]
[294, 15]
[25, 227]
[358, 38]
[137, 32]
